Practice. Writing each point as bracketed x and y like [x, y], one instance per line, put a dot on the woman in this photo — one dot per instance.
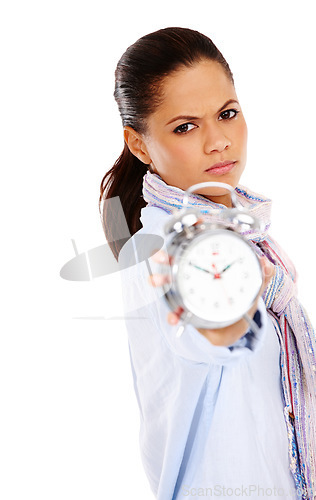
[223, 412]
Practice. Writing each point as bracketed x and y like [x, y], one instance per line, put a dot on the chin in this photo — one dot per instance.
[217, 191]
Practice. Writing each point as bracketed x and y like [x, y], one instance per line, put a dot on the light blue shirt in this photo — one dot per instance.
[211, 417]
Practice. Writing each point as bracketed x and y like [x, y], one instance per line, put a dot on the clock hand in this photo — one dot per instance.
[201, 268]
[228, 266]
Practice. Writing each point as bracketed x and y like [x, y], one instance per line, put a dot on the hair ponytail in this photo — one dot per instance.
[125, 180]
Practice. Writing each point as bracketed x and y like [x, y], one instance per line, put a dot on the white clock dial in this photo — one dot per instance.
[219, 276]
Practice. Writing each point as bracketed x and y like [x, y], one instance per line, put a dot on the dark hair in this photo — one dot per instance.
[139, 77]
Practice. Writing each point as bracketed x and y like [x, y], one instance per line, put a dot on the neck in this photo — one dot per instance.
[224, 199]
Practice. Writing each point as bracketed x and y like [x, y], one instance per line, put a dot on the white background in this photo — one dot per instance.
[69, 420]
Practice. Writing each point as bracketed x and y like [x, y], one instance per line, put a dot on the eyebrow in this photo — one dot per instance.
[189, 117]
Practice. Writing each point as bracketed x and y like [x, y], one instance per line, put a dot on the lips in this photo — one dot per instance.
[221, 167]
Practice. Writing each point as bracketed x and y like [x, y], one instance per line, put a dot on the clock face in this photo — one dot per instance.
[218, 276]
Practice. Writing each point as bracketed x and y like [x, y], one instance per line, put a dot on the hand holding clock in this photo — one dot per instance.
[222, 336]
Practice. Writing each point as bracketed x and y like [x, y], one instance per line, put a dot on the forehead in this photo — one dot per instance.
[192, 90]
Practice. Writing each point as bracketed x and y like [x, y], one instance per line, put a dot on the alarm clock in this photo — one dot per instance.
[215, 274]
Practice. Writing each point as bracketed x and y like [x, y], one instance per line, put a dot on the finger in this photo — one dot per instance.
[266, 266]
[268, 270]
[173, 317]
[158, 279]
[161, 257]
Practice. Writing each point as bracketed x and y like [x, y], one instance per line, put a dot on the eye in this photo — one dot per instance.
[228, 114]
[184, 128]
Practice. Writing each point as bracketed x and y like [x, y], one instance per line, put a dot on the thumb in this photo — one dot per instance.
[268, 270]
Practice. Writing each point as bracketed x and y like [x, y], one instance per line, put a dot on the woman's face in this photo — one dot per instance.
[198, 125]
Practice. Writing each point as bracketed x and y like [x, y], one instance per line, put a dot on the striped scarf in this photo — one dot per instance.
[292, 325]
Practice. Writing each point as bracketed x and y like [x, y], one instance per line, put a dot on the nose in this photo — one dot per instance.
[215, 139]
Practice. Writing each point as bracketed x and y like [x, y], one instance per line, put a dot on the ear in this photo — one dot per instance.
[136, 145]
